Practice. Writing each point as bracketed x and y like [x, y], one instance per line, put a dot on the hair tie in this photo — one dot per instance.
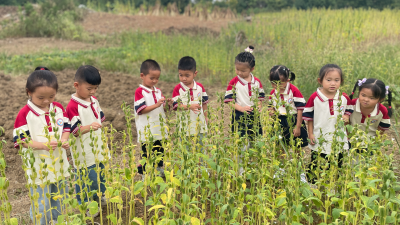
[248, 49]
[387, 90]
[352, 93]
[42, 68]
[361, 82]
[390, 107]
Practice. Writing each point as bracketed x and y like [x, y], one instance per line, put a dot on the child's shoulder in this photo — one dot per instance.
[201, 85]
[23, 112]
[382, 109]
[293, 87]
[234, 80]
[313, 96]
[58, 105]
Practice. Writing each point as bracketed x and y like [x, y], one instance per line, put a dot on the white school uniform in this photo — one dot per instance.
[30, 124]
[291, 96]
[324, 113]
[83, 113]
[379, 118]
[188, 96]
[145, 97]
[245, 92]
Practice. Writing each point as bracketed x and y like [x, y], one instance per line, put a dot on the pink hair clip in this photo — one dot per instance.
[248, 49]
[387, 90]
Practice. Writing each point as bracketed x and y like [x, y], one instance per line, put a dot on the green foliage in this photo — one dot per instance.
[51, 19]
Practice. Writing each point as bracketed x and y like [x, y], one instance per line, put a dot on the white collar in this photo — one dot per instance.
[187, 88]
[243, 81]
[82, 102]
[36, 109]
[148, 90]
[323, 98]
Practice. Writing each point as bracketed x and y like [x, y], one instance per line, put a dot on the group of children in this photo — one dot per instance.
[83, 117]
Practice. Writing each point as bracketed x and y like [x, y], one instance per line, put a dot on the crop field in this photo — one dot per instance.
[202, 183]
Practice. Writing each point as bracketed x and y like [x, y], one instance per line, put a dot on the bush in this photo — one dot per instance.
[47, 20]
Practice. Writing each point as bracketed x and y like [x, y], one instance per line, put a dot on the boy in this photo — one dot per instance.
[85, 114]
[149, 105]
[191, 95]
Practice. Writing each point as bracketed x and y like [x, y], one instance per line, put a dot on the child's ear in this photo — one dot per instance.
[76, 84]
[319, 80]
[251, 70]
[142, 75]
[195, 74]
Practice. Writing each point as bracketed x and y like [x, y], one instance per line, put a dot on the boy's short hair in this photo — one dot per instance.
[187, 63]
[149, 64]
[88, 74]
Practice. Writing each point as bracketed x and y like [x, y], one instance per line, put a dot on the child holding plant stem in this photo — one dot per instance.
[369, 113]
[41, 130]
[149, 107]
[321, 112]
[86, 117]
[244, 90]
[191, 98]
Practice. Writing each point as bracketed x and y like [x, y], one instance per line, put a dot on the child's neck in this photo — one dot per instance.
[190, 85]
[366, 111]
[328, 94]
[149, 87]
[248, 78]
[45, 109]
[82, 98]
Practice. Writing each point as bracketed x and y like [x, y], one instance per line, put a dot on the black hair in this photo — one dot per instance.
[39, 78]
[187, 63]
[279, 71]
[246, 57]
[378, 89]
[148, 65]
[328, 68]
[88, 74]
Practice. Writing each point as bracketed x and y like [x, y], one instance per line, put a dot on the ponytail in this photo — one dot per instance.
[389, 108]
[354, 89]
[292, 75]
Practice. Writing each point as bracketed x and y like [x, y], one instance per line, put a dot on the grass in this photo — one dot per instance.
[365, 43]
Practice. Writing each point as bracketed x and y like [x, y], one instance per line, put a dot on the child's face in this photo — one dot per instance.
[187, 76]
[85, 90]
[367, 99]
[243, 70]
[282, 84]
[151, 79]
[331, 81]
[43, 96]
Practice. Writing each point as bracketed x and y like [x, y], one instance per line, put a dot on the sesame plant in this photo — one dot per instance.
[202, 183]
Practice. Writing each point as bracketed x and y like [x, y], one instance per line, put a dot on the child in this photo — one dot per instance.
[292, 97]
[321, 112]
[85, 114]
[149, 105]
[368, 106]
[246, 88]
[29, 132]
[191, 95]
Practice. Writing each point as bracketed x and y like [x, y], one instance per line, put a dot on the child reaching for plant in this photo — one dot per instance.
[286, 98]
[40, 117]
[191, 95]
[149, 105]
[322, 111]
[85, 115]
[244, 90]
[368, 109]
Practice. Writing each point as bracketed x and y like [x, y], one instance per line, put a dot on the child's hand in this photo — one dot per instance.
[65, 144]
[195, 108]
[346, 118]
[170, 101]
[247, 109]
[53, 145]
[206, 120]
[296, 131]
[312, 139]
[95, 126]
[160, 102]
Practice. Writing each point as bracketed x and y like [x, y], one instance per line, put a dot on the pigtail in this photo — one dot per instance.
[292, 76]
[354, 89]
[389, 108]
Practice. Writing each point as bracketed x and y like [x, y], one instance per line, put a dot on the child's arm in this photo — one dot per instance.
[35, 145]
[246, 108]
[64, 140]
[194, 107]
[311, 132]
[153, 107]
[297, 129]
[86, 129]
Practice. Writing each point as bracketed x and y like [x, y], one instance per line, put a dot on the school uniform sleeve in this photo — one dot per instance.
[270, 100]
[229, 91]
[67, 123]
[73, 116]
[175, 97]
[298, 98]
[102, 116]
[349, 106]
[384, 124]
[204, 98]
[308, 112]
[261, 93]
[21, 130]
[140, 102]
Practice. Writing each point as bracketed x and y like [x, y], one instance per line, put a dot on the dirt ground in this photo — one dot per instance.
[115, 89]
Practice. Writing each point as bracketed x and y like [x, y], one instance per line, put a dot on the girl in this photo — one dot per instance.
[244, 90]
[29, 132]
[292, 102]
[368, 107]
[321, 112]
